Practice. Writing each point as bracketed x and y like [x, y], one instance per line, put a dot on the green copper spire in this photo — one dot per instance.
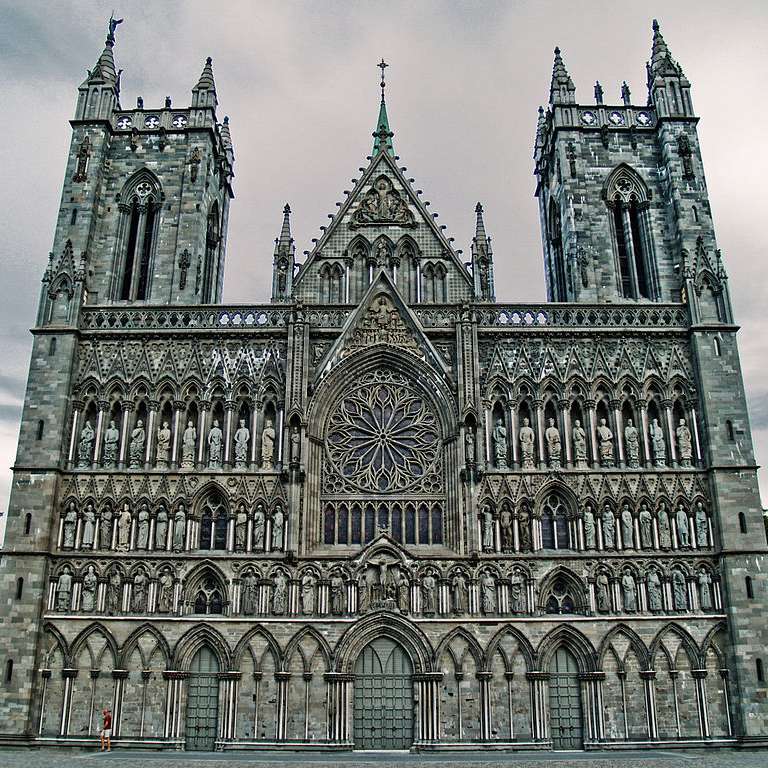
[382, 135]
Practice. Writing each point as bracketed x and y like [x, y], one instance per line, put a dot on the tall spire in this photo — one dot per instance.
[662, 62]
[480, 224]
[482, 260]
[284, 261]
[285, 239]
[561, 90]
[105, 67]
[99, 93]
[669, 90]
[382, 135]
[204, 93]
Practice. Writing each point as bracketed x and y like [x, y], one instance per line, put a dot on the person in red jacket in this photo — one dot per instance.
[106, 730]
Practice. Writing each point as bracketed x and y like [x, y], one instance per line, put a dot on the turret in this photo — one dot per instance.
[668, 88]
[561, 89]
[283, 261]
[99, 93]
[482, 260]
[204, 99]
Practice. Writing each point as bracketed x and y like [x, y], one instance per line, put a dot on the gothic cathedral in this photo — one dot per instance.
[384, 510]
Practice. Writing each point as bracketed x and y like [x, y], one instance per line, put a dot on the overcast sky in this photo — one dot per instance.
[300, 84]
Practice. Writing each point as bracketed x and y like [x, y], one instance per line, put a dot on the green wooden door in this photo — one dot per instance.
[203, 701]
[383, 710]
[565, 723]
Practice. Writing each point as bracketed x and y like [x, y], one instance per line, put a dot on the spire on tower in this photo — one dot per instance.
[561, 90]
[482, 259]
[204, 93]
[382, 135]
[284, 261]
[105, 70]
[285, 239]
[103, 78]
[663, 70]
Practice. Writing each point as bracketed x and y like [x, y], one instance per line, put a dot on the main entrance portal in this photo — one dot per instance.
[565, 702]
[203, 701]
[383, 714]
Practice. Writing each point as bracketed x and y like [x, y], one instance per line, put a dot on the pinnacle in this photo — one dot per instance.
[561, 88]
[382, 135]
[661, 58]
[206, 82]
[480, 224]
[285, 238]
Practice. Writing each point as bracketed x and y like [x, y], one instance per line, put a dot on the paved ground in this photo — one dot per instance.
[47, 758]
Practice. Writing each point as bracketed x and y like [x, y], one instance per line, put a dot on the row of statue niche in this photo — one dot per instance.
[605, 441]
[105, 521]
[189, 445]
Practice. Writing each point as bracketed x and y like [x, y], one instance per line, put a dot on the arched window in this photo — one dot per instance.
[19, 587]
[335, 295]
[557, 285]
[213, 524]
[560, 597]
[441, 284]
[210, 263]
[759, 670]
[208, 596]
[627, 198]
[8, 670]
[717, 346]
[428, 280]
[554, 524]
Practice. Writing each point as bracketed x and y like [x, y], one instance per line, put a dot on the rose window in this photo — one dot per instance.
[382, 436]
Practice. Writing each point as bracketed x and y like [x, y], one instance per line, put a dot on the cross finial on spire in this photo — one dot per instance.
[382, 65]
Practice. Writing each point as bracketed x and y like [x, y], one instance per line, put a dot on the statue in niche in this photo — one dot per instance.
[188, 441]
[242, 436]
[165, 592]
[279, 594]
[632, 444]
[382, 204]
[605, 444]
[241, 528]
[653, 583]
[609, 523]
[142, 529]
[163, 446]
[684, 444]
[702, 526]
[516, 600]
[307, 594]
[665, 533]
[428, 585]
[64, 591]
[295, 445]
[590, 537]
[507, 533]
[89, 526]
[524, 530]
[161, 528]
[500, 444]
[554, 447]
[249, 599]
[681, 523]
[527, 440]
[629, 592]
[70, 526]
[705, 592]
[487, 526]
[679, 595]
[488, 594]
[267, 445]
[627, 528]
[403, 592]
[278, 522]
[259, 524]
[139, 594]
[458, 593]
[105, 533]
[179, 528]
[579, 437]
[646, 527]
[88, 595]
[111, 444]
[138, 441]
[603, 595]
[364, 589]
[124, 529]
[215, 444]
[658, 445]
[338, 603]
[114, 597]
[85, 447]
[469, 445]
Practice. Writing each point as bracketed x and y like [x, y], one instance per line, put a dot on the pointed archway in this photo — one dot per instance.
[202, 700]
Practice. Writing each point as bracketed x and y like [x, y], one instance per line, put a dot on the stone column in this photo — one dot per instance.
[483, 680]
[280, 427]
[282, 679]
[592, 693]
[512, 411]
[69, 676]
[649, 682]
[154, 405]
[120, 676]
[103, 407]
[230, 683]
[618, 424]
[428, 716]
[229, 408]
[127, 407]
[591, 408]
[178, 407]
[339, 686]
[487, 421]
[538, 415]
[174, 683]
[537, 681]
[77, 407]
[565, 422]
[202, 432]
[667, 405]
[700, 676]
[694, 425]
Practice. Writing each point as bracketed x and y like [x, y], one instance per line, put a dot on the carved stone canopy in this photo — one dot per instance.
[382, 204]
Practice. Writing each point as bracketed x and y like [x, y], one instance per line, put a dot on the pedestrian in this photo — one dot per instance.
[106, 730]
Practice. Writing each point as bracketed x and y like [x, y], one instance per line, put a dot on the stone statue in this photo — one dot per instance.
[681, 523]
[428, 594]
[627, 528]
[64, 591]
[488, 593]
[500, 444]
[646, 527]
[179, 529]
[89, 527]
[705, 593]
[88, 595]
[241, 528]
[267, 445]
[658, 445]
[161, 528]
[469, 446]
[554, 447]
[665, 533]
[679, 595]
[603, 596]
[458, 593]
[524, 531]
[278, 522]
[279, 595]
[579, 437]
[114, 599]
[259, 522]
[295, 445]
[111, 445]
[138, 441]
[507, 533]
[139, 594]
[105, 534]
[516, 597]
[248, 604]
[608, 527]
[242, 436]
[702, 526]
[70, 526]
[527, 441]
[163, 446]
[215, 444]
[655, 602]
[632, 444]
[629, 592]
[403, 592]
[124, 529]
[85, 447]
[165, 592]
[188, 441]
[338, 603]
[590, 538]
[487, 526]
[142, 530]
[307, 594]
[684, 444]
[605, 440]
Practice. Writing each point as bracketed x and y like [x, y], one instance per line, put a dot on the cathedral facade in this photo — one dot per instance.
[385, 510]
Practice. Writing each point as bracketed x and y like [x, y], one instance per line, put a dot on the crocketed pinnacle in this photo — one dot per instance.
[226, 137]
[206, 82]
[105, 67]
[382, 140]
[480, 235]
[662, 62]
[561, 90]
[285, 239]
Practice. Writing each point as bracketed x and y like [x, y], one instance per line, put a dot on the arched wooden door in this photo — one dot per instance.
[565, 720]
[203, 701]
[383, 706]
